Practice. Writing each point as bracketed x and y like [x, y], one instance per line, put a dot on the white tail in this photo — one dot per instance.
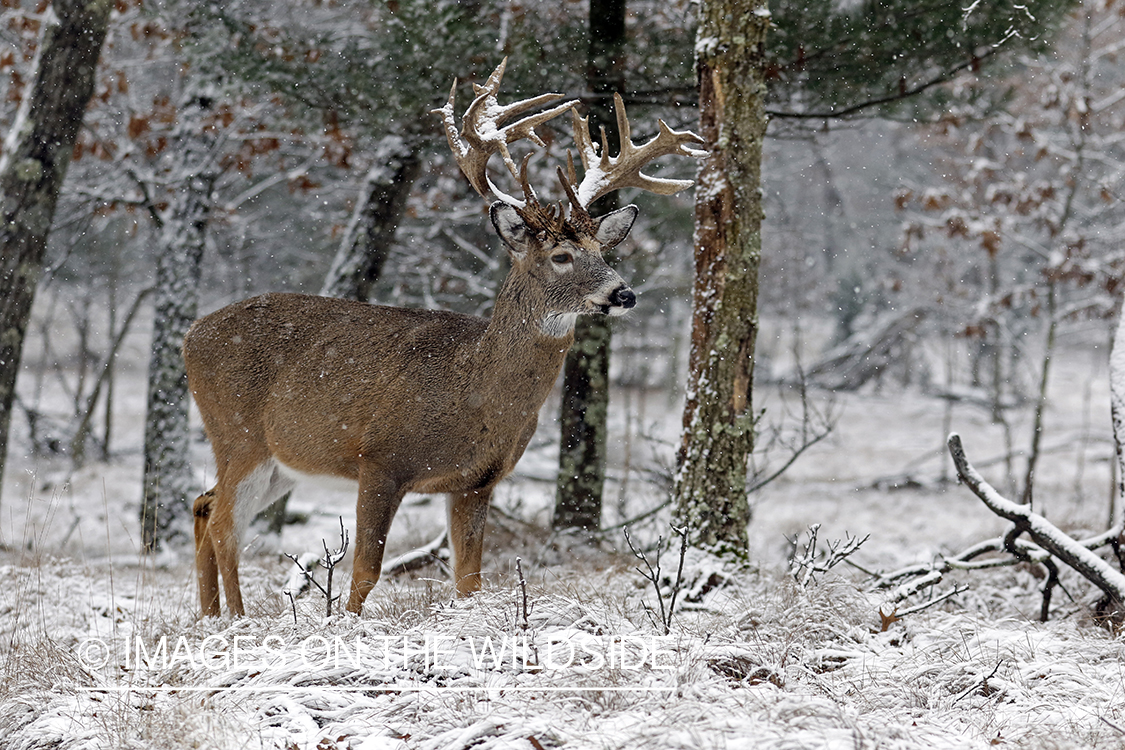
[402, 400]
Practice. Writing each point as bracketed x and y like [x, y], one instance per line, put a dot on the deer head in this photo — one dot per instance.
[562, 239]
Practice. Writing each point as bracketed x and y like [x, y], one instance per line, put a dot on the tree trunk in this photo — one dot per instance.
[367, 242]
[718, 423]
[168, 483]
[582, 418]
[35, 157]
[585, 403]
[1117, 413]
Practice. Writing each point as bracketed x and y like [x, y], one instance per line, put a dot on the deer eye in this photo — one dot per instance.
[562, 258]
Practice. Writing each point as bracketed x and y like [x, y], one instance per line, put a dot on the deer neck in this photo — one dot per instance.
[519, 342]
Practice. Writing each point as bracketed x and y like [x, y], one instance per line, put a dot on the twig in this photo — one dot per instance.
[982, 683]
[522, 612]
[805, 567]
[330, 560]
[682, 531]
[652, 574]
[1110, 724]
[936, 600]
[635, 519]
[292, 603]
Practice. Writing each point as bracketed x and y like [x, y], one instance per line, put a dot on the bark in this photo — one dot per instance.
[1117, 413]
[367, 242]
[168, 483]
[33, 164]
[585, 403]
[718, 425]
[582, 419]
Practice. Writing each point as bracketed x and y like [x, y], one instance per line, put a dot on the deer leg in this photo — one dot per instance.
[379, 498]
[206, 569]
[223, 539]
[256, 490]
[468, 513]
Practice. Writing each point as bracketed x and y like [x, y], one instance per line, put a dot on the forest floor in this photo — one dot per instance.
[103, 648]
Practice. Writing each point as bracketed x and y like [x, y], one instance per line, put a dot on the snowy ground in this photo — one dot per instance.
[757, 662]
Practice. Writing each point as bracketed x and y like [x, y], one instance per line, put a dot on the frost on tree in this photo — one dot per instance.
[710, 484]
[33, 163]
[168, 484]
[367, 242]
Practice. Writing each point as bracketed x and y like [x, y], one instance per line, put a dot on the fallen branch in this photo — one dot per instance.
[1009, 550]
[867, 354]
[1043, 533]
[417, 558]
[981, 684]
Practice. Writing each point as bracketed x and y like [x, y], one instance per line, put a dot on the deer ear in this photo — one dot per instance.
[615, 226]
[510, 227]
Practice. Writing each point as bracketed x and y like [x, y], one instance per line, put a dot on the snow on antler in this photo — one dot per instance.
[483, 133]
[603, 173]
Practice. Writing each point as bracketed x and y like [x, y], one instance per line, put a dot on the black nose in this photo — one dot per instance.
[623, 297]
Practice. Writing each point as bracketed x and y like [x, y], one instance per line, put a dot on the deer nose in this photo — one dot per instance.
[623, 296]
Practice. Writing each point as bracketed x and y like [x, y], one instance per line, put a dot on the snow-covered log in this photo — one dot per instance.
[868, 353]
[437, 548]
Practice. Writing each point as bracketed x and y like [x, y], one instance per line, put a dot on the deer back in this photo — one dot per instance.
[444, 401]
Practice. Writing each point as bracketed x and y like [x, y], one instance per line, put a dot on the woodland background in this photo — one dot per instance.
[941, 250]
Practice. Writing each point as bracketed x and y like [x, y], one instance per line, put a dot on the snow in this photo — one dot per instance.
[752, 660]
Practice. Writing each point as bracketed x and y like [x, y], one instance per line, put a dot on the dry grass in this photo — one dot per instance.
[791, 666]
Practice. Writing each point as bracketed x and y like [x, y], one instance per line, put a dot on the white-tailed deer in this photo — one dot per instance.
[404, 400]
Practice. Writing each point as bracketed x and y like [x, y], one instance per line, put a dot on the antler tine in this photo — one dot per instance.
[483, 132]
[529, 196]
[578, 213]
[587, 151]
[624, 170]
[571, 176]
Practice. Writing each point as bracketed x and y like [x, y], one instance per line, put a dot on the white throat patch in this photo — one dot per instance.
[558, 325]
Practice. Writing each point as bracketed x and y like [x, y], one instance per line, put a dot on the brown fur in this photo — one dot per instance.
[398, 400]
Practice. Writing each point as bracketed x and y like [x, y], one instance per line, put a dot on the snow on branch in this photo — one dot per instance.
[1046, 546]
[1043, 533]
[810, 561]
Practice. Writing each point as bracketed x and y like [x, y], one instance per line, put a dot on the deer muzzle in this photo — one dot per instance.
[621, 299]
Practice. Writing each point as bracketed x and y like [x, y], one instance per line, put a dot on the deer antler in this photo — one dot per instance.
[603, 173]
[482, 135]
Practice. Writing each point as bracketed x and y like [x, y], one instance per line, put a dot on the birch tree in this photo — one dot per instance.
[33, 164]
